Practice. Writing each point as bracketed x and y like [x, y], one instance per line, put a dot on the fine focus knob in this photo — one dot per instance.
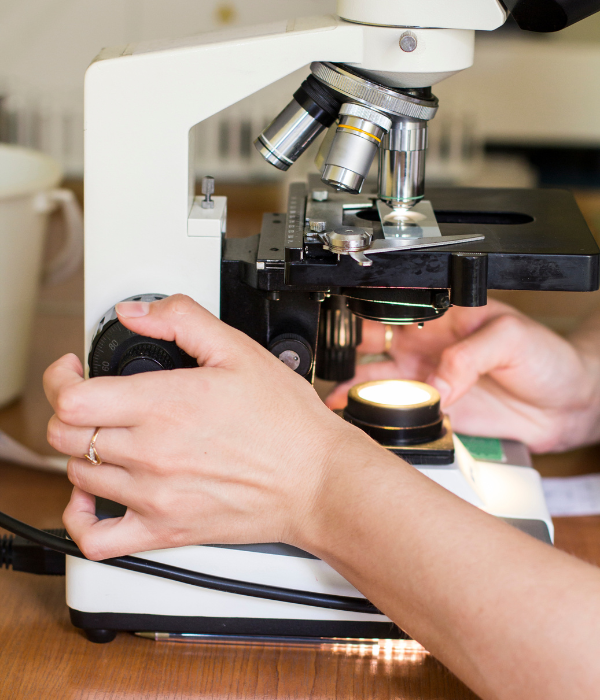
[294, 351]
[118, 351]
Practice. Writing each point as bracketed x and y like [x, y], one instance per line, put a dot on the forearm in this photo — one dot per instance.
[490, 602]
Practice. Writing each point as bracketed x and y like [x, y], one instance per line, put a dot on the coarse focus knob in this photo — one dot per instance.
[340, 331]
[145, 357]
[118, 351]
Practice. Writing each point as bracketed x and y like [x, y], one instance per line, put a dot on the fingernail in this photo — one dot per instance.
[133, 309]
[442, 386]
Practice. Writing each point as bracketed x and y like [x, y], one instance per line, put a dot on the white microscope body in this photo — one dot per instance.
[141, 102]
[145, 234]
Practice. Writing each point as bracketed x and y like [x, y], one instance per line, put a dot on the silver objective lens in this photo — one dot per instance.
[312, 110]
[402, 163]
[288, 136]
[357, 138]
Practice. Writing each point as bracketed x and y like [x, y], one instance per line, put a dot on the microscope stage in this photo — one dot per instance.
[534, 240]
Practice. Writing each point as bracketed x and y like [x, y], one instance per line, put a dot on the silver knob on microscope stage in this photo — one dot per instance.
[208, 189]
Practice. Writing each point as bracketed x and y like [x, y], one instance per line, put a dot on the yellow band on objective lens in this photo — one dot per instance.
[347, 126]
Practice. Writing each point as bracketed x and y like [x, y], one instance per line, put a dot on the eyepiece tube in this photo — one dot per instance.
[354, 147]
[402, 163]
[312, 110]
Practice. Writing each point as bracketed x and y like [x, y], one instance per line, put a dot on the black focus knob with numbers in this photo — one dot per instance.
[118, 351]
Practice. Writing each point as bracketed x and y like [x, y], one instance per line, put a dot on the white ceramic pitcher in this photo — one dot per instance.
[28, 194]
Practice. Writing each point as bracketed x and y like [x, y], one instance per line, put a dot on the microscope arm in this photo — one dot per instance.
[141, 102]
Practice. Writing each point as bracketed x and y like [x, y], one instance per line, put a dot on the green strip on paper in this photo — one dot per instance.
[484, 448]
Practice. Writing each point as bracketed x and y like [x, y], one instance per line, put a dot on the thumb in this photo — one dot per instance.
[497, 345]
[179, 318]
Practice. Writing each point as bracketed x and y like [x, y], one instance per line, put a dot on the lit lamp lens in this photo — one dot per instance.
[396, 412]
[394, 393]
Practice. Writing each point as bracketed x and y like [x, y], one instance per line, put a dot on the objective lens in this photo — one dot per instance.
[402, 163]
[312, 110]
[357, 138]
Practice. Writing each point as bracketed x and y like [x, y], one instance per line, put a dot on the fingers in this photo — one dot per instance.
[124, 401]
[181, 319]
[64, 374]
[102, 401]
[466, 320]
[103, 539]
[83, 505]
[104, 480]
[112, 444]
[496, 345]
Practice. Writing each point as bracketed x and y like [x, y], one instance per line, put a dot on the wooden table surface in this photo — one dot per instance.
[43, 656]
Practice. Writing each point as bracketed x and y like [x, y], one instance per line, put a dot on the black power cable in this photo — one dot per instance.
[194, 578]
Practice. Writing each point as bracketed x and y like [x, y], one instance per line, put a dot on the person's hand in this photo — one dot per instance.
[499, 374]
[234, 451]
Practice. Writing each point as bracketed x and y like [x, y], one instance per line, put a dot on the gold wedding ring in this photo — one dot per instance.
[92, 455]
[388, 337]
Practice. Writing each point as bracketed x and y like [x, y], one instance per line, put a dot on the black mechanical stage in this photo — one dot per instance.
[284, 290]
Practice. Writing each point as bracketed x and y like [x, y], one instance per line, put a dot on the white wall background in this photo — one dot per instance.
[48, 44]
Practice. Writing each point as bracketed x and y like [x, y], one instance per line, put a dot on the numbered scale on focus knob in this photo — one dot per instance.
[118, 351]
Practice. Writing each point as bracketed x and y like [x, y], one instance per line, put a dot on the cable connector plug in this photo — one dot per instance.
[19, 554]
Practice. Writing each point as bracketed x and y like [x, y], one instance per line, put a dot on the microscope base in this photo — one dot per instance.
[103, 627]
[103, 599]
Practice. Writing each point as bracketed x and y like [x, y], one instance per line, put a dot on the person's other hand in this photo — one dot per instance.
[499, 374]
[234, 451]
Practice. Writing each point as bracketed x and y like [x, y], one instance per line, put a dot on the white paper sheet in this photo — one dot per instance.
[573, 495]
[12, 451]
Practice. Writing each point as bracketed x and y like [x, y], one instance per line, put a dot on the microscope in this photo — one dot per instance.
[347, 248]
